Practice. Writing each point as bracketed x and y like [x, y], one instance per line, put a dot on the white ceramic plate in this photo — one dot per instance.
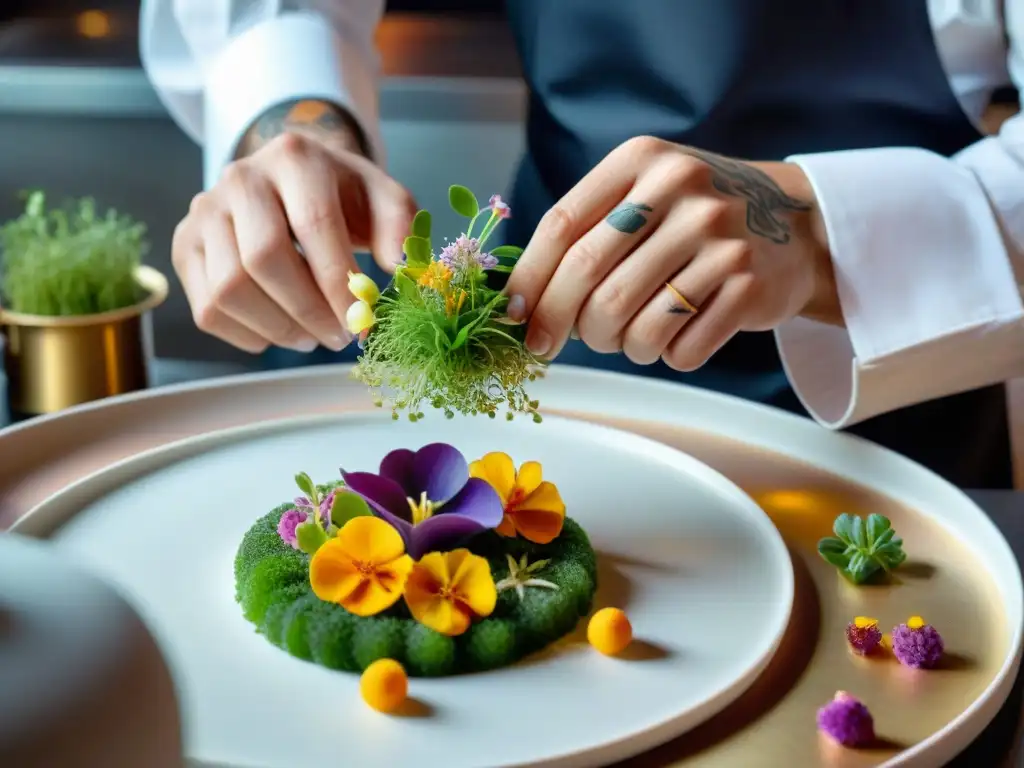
[710, 589]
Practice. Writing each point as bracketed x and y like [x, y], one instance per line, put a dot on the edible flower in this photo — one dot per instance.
[522, 574]
[290, 520]
[429, 497]
[465, 253]
[359, 317]
[363, 568]
[917, 644]
[436, 276]
[447, 590]
[532, 507]
[499, 207]
[363, 288]
[863, 635]
[847, 721]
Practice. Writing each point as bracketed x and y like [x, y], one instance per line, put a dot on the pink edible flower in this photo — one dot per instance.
[500, 207]
[464, 252]
[290, 520]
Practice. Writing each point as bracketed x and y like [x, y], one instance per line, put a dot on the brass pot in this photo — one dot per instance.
[54, 362]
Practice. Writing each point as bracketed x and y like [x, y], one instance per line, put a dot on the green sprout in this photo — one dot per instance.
[863, 550]
[440, 336]
[72, 261]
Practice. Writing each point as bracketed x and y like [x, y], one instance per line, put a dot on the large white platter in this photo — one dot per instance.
[704, 575]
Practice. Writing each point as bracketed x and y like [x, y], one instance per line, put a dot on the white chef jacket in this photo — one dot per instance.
[927, 250]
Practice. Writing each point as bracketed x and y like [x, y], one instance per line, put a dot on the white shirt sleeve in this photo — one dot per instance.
[217, 65]
[927, 257]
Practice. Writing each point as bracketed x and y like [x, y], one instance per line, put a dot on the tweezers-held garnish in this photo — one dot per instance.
[862, 550]
[439, 335]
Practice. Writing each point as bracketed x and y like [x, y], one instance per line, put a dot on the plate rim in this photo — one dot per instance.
[841, 454]
[58, 509]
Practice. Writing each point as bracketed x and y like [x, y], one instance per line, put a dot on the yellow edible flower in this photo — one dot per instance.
[359, 317]
[453, 302]
[447, 590]
[436, 276]
[363, 568]
[363, 288]
[533, 507]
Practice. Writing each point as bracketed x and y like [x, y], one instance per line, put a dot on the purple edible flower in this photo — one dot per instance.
[429, 497]
[499, 207]
[917, 644]
[305, 505]
[464, 252]
[863, 635]
[290, 520]
[847, 720]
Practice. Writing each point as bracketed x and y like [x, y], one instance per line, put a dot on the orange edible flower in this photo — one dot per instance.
[363, 568]
[533, 507]
[453, 302]
[446, 590]
[436, 276]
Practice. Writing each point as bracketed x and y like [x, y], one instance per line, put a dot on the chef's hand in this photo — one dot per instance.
[664, 251]
[301, 178]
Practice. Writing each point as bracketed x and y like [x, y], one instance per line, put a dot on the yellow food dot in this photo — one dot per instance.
[384, 685]
[863, 622]
[609, 631]
[915, 622]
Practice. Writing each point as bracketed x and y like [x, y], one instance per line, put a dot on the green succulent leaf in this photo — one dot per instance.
[842, 528]
[463, 201]
[310, 537]
[861, 549]
[348, 505]
[507, 252]
[417, 251]
[406, 287]
[421, 225]
[308, 487]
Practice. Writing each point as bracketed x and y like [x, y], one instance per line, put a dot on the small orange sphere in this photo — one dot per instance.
[609, 631]
[384, 685]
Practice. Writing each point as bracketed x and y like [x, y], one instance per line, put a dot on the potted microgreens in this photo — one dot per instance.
[439, 334]
[73, 295]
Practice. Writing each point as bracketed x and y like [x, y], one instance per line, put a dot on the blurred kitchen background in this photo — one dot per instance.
[77, 117]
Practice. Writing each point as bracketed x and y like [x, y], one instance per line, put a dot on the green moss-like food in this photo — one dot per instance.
[272, 586]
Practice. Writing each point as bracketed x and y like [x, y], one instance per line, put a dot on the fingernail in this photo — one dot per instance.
[305, 345]
[516, 308]
[574, 335]
[337, 343]
[538, 342]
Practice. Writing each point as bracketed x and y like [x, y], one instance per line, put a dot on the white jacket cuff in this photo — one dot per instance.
[927, 292]
[296, 56]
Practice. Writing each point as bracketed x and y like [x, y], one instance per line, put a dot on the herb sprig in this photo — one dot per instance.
[67, 262]
[862, 550]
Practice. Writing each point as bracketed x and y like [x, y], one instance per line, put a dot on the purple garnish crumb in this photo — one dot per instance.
[917, 645]
[847, 721]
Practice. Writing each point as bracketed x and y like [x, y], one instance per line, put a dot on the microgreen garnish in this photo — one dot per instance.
[862, 550]
[521, 575]
[75, 261]
[439, 334]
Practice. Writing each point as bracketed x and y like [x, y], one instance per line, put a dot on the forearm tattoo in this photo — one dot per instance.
[317, 119]
[765, 199]
[629, 217]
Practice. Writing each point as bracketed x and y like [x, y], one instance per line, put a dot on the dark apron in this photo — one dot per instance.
[757, 79]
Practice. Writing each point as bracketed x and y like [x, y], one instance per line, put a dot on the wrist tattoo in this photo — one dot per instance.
[628, 217]
[318, 119]
[765, 199]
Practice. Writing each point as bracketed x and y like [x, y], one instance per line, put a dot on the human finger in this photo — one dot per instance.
[188, 265]
[268, 255]
[233, 291]
[682, 299]
[691, 221]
